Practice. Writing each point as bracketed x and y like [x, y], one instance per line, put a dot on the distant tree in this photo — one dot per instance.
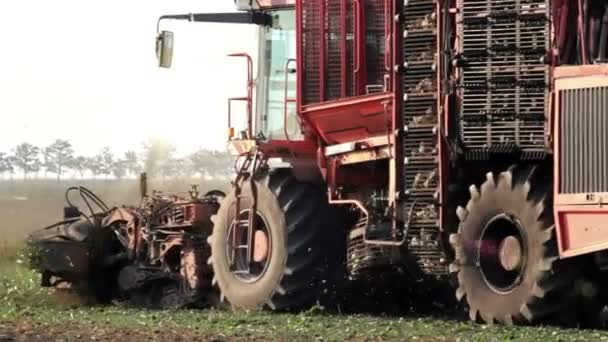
[11, 160]
[174, 168]
[47, 161]
[157, 153]
[211, 163]
[119, 168]
[5, 164]
[95, 165]
[27, 158]
[224, 163]
[132, 164]
[199, 162]
[107, 161]
[57, 157]
[79, 164]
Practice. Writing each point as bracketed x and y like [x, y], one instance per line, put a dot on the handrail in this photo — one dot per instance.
[287, 100]
[357, 36]
[248, 98]
[388, 34]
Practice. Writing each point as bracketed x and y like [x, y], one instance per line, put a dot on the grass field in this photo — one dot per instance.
[31, 313]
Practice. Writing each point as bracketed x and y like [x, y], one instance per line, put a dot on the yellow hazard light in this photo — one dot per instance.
[230, 132]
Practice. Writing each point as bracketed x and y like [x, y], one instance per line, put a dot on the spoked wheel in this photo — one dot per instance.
[506, 257]
[279, 262]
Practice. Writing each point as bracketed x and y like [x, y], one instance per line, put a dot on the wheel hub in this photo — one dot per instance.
[260, 246]
[510, 253]
[502, 253]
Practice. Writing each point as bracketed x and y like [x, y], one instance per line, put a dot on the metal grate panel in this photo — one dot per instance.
[339, 36]
[420, 141]
[583, 140]
[311, 39]
[375, 41]
[328, 34]
[504, 82]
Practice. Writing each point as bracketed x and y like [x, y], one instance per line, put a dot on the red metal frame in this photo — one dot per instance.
[360, 76]
[354, 119]
[579, 218]
[299, 59]
[581, 30]
[286, 99]
[442, 119]
[322, 56]
[348, 119]
[396, 186]
[275, 3]
[343, 56]
[248, 98]
[357, 119]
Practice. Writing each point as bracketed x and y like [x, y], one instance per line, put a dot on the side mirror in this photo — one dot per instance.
[164, 49]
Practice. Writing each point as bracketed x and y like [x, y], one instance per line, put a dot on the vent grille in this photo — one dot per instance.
[329, 48]
[311, 40]
[375, 41]
[340, 30]
[583, 140]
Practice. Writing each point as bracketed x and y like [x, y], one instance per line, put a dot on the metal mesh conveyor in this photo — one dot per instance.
[420, 141]
[503, 77]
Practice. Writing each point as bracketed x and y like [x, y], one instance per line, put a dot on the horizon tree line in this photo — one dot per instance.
[157, 158]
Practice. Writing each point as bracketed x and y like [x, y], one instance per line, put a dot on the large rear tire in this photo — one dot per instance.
[506, 258]
[291, 213]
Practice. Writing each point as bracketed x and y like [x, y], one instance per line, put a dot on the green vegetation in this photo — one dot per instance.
[28, 310]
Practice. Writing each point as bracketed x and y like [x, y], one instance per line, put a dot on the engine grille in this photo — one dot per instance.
[583, 140]
[503, 80]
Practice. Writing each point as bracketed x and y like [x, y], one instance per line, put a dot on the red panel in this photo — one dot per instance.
[342, 49]
[290, 149]
[582, 231]
[350, 119]
[276, 3]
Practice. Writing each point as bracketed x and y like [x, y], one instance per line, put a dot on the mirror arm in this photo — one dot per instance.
[251, 17]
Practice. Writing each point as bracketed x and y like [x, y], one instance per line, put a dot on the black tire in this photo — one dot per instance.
[293, 212]
[541, 287]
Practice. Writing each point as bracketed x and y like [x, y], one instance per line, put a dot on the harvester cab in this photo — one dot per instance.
[270, 98]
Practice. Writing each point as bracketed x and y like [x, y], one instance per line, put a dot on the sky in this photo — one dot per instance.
[87, 71]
